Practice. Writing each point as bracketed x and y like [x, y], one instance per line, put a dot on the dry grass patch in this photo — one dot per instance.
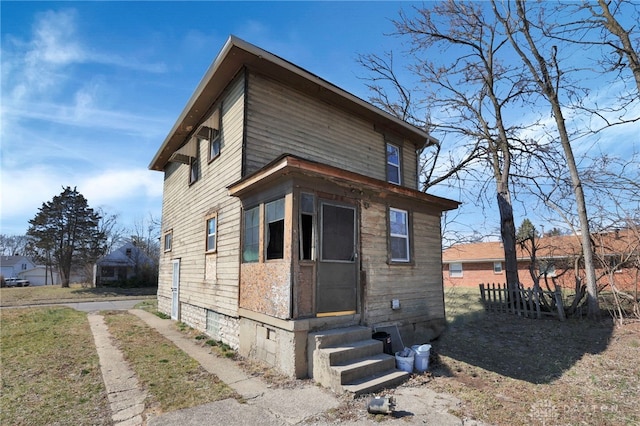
[508, 370]
[16, 296]
[172, 379]
[50, 369]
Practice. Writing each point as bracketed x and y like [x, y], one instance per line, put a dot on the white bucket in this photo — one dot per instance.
[421, 357]
[405, 363]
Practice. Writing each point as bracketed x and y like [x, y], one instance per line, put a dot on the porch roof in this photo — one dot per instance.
[290, 164]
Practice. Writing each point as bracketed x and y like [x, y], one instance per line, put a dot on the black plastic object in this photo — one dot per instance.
[385, 338]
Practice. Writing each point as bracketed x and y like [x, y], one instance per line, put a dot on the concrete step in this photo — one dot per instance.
[339, 336]
[376, 382]
[356, 369]
[346, 352]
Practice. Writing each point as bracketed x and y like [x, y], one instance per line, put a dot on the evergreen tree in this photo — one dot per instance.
[68, 229]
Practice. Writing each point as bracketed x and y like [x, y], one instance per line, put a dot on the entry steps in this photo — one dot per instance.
[349, 360]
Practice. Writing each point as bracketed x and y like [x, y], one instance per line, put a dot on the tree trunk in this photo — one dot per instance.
[508, 232]
[545, 81]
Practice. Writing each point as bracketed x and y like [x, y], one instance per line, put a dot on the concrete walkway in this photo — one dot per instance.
[126, 397]
[304, 404]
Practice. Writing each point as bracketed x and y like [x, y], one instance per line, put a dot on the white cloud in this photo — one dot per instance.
[130, 192]
[116, 185]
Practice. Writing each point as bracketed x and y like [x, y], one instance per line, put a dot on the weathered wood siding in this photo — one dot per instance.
[281, 120]
[418, 286]
[207, 280]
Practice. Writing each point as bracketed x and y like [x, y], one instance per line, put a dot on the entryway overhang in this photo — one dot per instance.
[290, 165]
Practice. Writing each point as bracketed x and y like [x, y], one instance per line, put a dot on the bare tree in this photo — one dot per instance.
[547, 74]
[13, 245]
[465, 95]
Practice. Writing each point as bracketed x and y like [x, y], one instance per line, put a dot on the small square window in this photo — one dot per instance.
[497, 267]
[455, 270]
[212, 228]
[168, 239]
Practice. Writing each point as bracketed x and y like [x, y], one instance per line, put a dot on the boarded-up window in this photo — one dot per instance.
[251, 235]
[275, 229]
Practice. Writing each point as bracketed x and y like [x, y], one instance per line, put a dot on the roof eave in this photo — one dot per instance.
[226, 65]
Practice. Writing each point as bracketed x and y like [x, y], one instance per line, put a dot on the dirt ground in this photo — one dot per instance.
[509, 370]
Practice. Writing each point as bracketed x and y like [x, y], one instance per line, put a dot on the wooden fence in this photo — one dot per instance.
[522, 301]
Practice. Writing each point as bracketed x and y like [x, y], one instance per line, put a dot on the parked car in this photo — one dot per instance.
[16, 282]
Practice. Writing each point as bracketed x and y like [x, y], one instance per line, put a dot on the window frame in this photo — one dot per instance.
[208, 249]
[267, 222]
[257, 209]
[216, 137]
[194, 168]
[390, 164]
[547, 268]
[499, 269]
[307, 234]
[458, 273]
[168, 235]
[406, 237]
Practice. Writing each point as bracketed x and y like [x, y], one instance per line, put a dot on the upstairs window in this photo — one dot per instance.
[399, 235]
[168, 237]
[212, 228]
[455, 270]
[275, 229]
[215, 138]
[251, 243]
[393, 164]
[194, 170]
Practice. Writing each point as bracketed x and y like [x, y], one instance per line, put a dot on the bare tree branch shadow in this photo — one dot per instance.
[536, 351]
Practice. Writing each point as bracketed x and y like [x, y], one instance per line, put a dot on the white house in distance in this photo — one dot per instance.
[13, 266]
[293, 226]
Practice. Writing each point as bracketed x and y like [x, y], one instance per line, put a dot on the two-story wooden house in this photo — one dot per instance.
[290, 211]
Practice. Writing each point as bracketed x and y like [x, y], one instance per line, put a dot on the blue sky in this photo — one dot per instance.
[90, 89]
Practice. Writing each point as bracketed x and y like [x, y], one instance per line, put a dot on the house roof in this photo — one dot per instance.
[7, 261]
[119, 257]
[556, 247]
[235, 55]
[290, 164]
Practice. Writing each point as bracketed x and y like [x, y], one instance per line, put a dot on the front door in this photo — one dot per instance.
[337, 270]
[175, 290]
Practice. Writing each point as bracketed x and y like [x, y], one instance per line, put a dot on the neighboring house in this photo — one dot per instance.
[617, 254]
[41, 275]
[13, 266]
[291, 208]
[121, 264]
